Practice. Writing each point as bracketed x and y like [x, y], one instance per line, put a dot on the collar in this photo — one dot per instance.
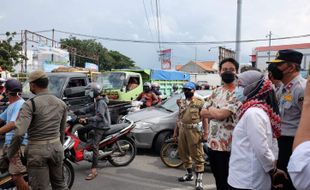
[289, 86]
[42, 93]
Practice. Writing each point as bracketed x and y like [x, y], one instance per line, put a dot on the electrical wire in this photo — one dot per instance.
[147, 18]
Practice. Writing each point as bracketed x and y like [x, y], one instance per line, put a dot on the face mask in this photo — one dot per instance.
[228, 77]
[188, 94]
[239, 94]
[277, 73]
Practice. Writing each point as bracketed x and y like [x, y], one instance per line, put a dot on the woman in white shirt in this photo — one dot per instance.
[254, 146]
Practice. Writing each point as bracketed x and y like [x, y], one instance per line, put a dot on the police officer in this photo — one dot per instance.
[290, 102]
[189, 135]
[44, 117]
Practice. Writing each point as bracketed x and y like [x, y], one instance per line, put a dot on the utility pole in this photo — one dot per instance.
[269, 36]
[238, 29]
[22, 40]
[25, 50]
[53, 38]
[195, 54]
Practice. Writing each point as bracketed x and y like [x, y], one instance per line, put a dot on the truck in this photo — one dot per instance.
[115, 83]
[70, 87]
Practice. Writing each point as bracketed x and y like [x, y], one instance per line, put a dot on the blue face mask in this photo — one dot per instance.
[239, 94]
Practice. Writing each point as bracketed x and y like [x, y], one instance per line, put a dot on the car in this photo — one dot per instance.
[154, 125]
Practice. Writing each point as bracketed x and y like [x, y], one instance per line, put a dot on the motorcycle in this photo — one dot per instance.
[6, 181]
[169, 154]
[116, 146]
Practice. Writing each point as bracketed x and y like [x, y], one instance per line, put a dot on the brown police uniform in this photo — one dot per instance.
[45, 123]
[190, 146]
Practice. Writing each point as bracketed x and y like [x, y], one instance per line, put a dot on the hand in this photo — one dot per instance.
[175, 137]
[83, 120]
[205, 137]
[278, 178]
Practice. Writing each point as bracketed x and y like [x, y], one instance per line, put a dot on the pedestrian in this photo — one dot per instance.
[190, 135]
[253, 157]
[12, 89]
[290, 103]
[277, 84]
[220, 110]
[299, 164]
[100, 123]
[44, 117]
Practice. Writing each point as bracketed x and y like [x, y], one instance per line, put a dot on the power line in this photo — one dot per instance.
[147, 18]
[19, 33]
[157, 20]
[180, 42]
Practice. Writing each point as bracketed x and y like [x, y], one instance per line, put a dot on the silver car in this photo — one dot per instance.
[156, 124]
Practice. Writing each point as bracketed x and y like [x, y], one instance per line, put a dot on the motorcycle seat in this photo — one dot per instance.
[115, 128]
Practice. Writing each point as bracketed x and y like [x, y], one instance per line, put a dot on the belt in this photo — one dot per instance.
[44, 141]
[190, 126]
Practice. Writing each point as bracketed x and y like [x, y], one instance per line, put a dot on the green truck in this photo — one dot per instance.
[116, 82]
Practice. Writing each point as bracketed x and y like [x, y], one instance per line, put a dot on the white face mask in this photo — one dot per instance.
[239, 94]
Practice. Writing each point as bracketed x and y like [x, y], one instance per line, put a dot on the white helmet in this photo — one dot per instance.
[93, 89]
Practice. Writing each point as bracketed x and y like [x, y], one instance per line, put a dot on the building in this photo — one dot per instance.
[198, 67]
[262, 54]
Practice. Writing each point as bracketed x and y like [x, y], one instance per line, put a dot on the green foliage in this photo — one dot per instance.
[90, 48]
[10, 54]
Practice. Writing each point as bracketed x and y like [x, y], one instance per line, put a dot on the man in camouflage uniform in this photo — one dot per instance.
[44, 117]
[189, 135]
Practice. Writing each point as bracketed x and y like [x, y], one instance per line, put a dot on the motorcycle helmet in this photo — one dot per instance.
[13, 86]
[147, 87]
[93, 90]
[155, 85]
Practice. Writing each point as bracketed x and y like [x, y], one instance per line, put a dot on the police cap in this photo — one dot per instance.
[35, 75]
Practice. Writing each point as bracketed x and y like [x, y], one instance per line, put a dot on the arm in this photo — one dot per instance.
[7, 127]
[63, 126]
[22, 124]
[216, 113]
[101, 109]
[205, 125]
[155, 98]
[256, 129]
[303, 131]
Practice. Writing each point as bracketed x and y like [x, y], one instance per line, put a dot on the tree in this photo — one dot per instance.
[92, 51]
[10, 54]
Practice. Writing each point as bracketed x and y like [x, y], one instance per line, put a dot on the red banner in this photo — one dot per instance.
[165, 59]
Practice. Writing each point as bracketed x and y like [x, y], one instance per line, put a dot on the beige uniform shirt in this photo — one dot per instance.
[190, 113]
[46, 123]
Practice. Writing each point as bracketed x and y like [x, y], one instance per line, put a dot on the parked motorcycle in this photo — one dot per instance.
[116, 145]
[6, 181]
[169, 154]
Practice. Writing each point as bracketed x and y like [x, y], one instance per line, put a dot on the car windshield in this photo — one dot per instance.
[111, 80]
[55, 84]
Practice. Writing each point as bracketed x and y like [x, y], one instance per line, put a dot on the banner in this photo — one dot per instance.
[91, 66]
[165, 59]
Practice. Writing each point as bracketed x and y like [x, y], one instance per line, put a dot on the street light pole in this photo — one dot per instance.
[269, 36]
[238, 29]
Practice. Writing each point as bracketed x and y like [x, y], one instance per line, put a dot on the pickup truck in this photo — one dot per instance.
[115, 83]
[70, 87]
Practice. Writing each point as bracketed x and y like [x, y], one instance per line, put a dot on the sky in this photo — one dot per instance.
[180, 20]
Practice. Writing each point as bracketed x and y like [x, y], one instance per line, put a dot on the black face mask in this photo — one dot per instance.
[276, 73]
[188, 94]
[228, 77]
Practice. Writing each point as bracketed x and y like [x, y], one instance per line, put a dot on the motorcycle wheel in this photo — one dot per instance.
[169, 155]
[68, 173]
[124, 156]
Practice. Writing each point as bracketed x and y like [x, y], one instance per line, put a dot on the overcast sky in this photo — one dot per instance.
[181, 20]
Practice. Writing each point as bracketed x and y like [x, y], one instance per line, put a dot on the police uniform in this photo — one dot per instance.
[190, 146]
[44, 117]
[290, 105]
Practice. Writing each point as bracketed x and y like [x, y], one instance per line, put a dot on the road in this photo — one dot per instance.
[146, 172]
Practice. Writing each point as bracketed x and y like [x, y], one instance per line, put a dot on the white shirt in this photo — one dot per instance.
[254, 151]
[299, 166]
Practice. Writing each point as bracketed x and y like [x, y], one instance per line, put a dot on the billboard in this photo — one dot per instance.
[49, 58]
[165, 59]
[226, 53]
[91, 66]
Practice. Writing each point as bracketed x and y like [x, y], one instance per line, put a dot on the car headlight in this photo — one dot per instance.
[143, 125]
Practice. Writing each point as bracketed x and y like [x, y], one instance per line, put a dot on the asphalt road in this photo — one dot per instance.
[146, 172]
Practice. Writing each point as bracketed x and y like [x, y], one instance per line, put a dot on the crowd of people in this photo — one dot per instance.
[255, 126]
[249, 125]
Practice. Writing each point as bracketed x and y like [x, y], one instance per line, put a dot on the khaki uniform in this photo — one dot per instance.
[45, 126]
[190, 146]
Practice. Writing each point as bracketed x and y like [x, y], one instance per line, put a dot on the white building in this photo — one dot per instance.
[260, 55]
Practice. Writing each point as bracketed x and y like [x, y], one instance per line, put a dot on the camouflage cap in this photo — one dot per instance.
[35, 75]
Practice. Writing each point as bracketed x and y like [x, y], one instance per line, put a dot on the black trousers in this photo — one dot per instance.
[285, 144]
[219, 161]
[232, 188]
[96, 138]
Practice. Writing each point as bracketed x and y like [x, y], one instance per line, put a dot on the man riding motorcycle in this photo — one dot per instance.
[100, 122]
[148, 97]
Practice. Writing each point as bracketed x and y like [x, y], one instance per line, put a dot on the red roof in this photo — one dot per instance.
[280, 47]
[206, 65]
[178, 67]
